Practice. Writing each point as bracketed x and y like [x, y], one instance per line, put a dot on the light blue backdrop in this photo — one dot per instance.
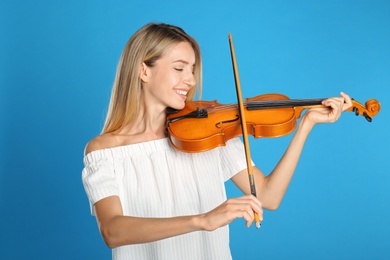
[57, 64]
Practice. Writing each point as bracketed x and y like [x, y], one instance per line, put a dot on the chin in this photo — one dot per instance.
[178, 106]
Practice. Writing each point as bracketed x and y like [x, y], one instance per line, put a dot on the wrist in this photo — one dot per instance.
[198, 222]
[306, 124]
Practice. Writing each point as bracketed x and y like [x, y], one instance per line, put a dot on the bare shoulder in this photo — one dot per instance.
[101, 142]
[110, 140]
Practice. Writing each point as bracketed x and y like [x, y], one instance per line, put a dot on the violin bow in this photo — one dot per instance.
[243, 126]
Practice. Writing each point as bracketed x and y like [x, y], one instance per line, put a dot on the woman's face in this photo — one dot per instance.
[169, 80]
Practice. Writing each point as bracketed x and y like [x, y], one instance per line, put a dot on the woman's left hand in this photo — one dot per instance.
[331, 112]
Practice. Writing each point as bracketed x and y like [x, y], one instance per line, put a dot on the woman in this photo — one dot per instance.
[154, 202]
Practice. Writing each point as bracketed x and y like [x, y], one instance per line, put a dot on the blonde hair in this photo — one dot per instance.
[146, 45]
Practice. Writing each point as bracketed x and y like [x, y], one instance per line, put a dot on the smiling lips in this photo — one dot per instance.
[181, 93]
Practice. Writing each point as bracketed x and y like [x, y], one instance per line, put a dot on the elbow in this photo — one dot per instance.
[108, 237]
[272, 205]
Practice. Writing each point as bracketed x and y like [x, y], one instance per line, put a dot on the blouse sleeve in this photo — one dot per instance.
[98, 177]
[233, 158]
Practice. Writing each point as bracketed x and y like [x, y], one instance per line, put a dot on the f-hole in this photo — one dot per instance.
[218, 125]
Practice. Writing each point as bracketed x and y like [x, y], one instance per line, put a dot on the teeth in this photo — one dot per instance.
[181, 92]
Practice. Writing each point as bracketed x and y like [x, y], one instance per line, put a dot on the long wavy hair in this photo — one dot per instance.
[146, 45]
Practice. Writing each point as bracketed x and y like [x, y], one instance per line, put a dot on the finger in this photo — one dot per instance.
[248, 217]
[337, 105]
[251, 200]
[257, 210]
[256, 206]
[251, 203]
[246, 207]
[334, 101]
[348, 101]
[248, 224]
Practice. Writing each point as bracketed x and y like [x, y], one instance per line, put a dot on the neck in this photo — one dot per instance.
[149, 125]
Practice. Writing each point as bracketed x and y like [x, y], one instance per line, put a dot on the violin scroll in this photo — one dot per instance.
[371, 108]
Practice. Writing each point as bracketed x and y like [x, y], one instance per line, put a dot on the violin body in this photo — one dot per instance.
[204, 125]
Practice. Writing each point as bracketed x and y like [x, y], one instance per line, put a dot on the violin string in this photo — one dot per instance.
[257, 104]
[283, 103]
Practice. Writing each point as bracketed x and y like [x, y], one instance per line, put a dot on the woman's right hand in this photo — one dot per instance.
[118, 230]
[241, 207]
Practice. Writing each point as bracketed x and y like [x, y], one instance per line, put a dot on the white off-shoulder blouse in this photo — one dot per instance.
[152, 179]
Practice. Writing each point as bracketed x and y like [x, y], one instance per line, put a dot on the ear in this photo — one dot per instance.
[144, 72]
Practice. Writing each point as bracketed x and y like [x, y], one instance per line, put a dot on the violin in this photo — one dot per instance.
[204, 125]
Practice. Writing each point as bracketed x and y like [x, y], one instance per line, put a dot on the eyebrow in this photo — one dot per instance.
[183, 61]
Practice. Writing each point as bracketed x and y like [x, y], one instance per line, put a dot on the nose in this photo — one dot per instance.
[190, 79]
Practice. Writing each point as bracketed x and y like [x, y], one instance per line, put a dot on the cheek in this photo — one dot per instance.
[173, 77]
[165, 76]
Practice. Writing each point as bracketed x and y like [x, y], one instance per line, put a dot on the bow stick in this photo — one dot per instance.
[243, 126]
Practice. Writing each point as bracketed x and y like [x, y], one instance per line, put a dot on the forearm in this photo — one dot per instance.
[276, 183]
[124, 230]
[271, 188]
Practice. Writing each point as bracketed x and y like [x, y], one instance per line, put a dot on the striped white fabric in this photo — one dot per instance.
[153, 179]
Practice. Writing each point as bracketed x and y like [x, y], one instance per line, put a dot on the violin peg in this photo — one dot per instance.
[367, 117]
[356, 111]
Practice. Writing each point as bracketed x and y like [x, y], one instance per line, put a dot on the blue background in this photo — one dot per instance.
[57, 65]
